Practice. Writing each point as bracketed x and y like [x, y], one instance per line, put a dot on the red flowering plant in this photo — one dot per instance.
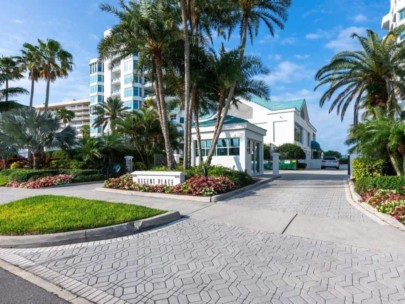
[377, 197]
[43, 182]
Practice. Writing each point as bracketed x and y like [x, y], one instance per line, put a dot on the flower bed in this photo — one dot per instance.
[196, 185]
[388, 202]
[43, 182]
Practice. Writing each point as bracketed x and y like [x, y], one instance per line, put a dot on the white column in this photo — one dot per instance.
[352, 158]
[128, 163]
[276, 165]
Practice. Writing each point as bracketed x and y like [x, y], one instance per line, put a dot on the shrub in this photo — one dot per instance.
[87, 178]
[43, 182]
[75, 164]
[25, 175]
[366, 167]
[344, 161]
[6, 172]
[22, 164]
[140, 166]
[381, 182]
[3, 181]
[57, 164]
[290, 151]
[301, 165]
[60, 154]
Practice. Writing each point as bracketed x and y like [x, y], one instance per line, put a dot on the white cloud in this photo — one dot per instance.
[287, 72]
[319, 34]
[288, 41]
[360, 18]
[302, 56]
[94, 36]
[344, 40]
[275, 57]
[17, 21]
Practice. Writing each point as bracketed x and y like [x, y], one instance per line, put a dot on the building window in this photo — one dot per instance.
[127, 66]
[298, 133]
[128, 79]
[308, 139]
[173, 117]
[225, 147]
[401, 14]
[96, 89]
[402, 36]
[181, 120]
[96, 78]
[96, 67]
[96, 99]
[136, 105]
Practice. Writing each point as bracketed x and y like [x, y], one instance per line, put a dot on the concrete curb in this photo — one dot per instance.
[103, 233]
[205, 199]
[382, 217]
[47, 286]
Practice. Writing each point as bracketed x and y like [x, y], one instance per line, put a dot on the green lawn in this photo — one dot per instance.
[50, 214]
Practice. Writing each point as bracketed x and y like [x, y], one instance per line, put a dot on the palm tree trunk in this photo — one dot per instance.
[394, 163]
[36, 159]
[197, 131]
[48, 84]
[217, 128]
[164, 122]
[32, 93]
[187, 85]
[6, 95]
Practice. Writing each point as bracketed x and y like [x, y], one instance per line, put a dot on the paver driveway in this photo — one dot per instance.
[201, 261]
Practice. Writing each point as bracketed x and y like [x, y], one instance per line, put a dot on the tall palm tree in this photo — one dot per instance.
[250, 14]
[10, 69]
[56, 63]
[371, 77]
[109, 113]
[150, 28]
[65, 115]
[226, 70]
[32, 62]
[35, 131]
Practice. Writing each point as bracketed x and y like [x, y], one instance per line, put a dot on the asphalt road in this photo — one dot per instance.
[14, 290]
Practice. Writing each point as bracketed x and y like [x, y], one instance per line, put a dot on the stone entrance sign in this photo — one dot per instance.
[168, 178]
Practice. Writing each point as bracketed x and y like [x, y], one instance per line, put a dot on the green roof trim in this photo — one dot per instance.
[228, 120]
[315, 145]
[279, 105]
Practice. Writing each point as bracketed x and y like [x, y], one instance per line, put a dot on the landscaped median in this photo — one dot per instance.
[54, 220]
[384, 196]
[35, 179]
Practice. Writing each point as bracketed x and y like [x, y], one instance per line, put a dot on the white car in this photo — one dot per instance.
[330, 161]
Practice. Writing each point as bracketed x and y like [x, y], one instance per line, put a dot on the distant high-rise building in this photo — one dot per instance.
[118, 80]
[395, 17]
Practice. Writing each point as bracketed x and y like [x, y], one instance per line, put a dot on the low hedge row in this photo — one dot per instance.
[367, 167]
[78, 175]
[381, 182]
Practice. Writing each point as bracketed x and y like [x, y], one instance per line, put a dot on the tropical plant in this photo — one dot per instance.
[373, 77]
[7, 149]
[376, 137]
[250, 14]
[148, 28]
[55, 63]
[35, 131]
[10, 69]
[32, 62]
[65, 115]
[290, 151]
[89, 149]
[109, 113]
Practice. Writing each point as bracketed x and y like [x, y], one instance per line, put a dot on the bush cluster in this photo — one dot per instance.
[396, 183]
[42, 182]
[366, 167]
[196, 185]
[78, 175]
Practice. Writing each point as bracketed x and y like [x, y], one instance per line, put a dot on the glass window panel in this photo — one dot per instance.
[208, 143]
[222, 151]
[234, 151]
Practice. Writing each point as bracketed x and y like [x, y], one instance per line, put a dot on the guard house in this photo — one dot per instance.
[240, 145]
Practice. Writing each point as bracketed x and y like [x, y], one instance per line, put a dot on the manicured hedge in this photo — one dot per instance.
[78, 175]
[366, 167]
[3, 180]
[382, 182]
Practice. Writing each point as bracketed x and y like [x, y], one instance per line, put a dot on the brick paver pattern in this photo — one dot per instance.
[201, 262]
[316, 194]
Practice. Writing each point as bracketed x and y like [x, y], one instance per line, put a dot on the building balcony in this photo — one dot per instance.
[386, 21]
[115, 92]
[116, 80]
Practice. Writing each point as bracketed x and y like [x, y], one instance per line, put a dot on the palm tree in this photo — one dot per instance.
[35, 131]
[379, 137]
[226, 70]
[371, 77]
[90, 150]
[56, 63]
[109, 113]
[32, 62]
[149, 28]
[250, 14]
[65, 115]
[10, 69]
[7, 149]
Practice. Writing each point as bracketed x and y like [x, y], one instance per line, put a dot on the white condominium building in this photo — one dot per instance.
[79, 107]
[120, 80]
[395, 17]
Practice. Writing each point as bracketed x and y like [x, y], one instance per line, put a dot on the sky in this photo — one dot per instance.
[314, 32]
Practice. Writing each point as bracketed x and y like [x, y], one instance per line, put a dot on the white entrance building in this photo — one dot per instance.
[240, 145]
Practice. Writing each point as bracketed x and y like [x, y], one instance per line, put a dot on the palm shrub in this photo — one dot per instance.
[35, 131]
[290, 151]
